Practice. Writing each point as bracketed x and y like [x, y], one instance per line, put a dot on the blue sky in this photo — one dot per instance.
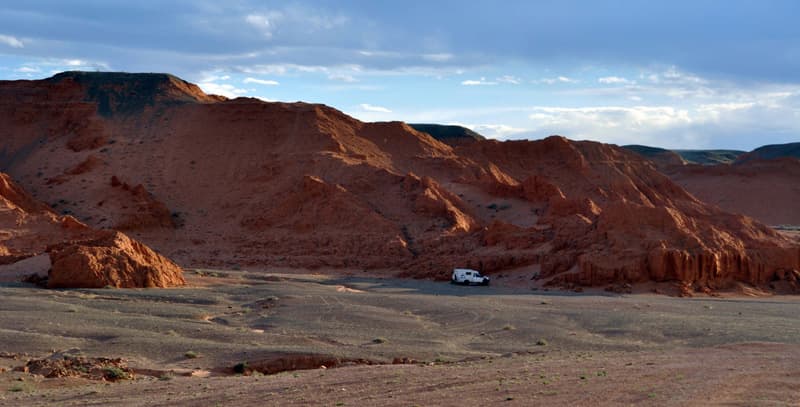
[677, 74]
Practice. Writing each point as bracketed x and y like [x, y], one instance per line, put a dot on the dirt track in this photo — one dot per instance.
[486, 344]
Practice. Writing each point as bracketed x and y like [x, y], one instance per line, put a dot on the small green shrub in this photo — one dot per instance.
[190, 354]
[115, 373]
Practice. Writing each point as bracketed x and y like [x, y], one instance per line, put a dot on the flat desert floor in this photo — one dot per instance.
[460, 345]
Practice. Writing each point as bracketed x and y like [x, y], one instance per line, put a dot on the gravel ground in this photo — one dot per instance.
[470, 345]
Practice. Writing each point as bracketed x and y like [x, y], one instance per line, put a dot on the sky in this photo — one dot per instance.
[674, 74]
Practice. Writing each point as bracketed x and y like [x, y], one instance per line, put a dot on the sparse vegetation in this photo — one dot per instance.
[541, 342]
[190, 354]
[19, 387]
[115, 373]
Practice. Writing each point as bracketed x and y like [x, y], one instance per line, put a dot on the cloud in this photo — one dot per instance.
[613, 80]
[294, 21]
[264, 23]
[12, 42]
[28, 69]
[730, 123]
[617, 124]
[342, 78]
[264, 82]
[480, 82]
[558, 79]
[496, 131]
[437, 57]
[509, 79]
[370, 108]
[209, 84]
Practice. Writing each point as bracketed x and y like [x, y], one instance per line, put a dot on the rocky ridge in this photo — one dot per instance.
[257, 184]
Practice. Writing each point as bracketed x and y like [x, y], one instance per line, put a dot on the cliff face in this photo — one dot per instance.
[614, 218]
[248, 183]
[762, 184]
[80, 256]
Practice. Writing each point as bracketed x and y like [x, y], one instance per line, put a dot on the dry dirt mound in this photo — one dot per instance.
[114, 260]
[76, 366]
[250, 183]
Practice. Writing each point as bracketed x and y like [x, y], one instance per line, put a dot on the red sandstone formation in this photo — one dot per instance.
[259, 184]
[767, 190]
[27, 226]
[112, 259]
[80, 256]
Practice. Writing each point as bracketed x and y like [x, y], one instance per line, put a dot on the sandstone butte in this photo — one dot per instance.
[80, 256]
[215, 182]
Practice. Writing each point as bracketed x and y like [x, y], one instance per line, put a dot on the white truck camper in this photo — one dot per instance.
[468, 277]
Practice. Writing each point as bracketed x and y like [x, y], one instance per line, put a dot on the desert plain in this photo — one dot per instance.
[351, 340]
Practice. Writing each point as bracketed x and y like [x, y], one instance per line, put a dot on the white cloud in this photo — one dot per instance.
[209, 84]
[341, 77]
[509, 79]
[480, 82]
[437, 57]
[264, 23]
[496, 131]
[28, 69]
[264, 82]
[617, 124]
[12, 42]
[376, 109]
[293, 20]
[558, 79]
[613, 80]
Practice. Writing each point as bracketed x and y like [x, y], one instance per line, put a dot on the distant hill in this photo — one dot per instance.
[772, 151]
[663, 158]
[670, 157]
[447, 133]
[709, 157]
[743, 184]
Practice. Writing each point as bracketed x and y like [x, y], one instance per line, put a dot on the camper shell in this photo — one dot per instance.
[468, 277]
